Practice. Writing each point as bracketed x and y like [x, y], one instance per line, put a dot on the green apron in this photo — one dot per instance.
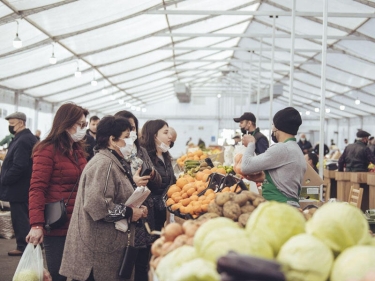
[272, 193]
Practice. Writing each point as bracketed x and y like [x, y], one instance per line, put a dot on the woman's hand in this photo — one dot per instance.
[35, 236]
[140, 181]
[137, 214]
[144, 211]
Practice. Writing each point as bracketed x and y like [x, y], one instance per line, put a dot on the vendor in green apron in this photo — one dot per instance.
[283, 163]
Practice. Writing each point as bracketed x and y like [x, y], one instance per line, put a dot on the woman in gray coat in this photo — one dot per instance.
[94, 248]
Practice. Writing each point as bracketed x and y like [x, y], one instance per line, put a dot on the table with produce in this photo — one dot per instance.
[230, 233]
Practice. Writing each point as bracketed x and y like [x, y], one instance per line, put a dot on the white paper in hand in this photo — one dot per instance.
[138, 197]
[122, 225]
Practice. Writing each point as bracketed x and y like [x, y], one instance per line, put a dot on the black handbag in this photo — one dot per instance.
[55, 214]
[128, 261]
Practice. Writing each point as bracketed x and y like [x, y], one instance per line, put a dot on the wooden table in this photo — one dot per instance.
[371, 184]
[359, 180]
[330, 184]
[343, 185]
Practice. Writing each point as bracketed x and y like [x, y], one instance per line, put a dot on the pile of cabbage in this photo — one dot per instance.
[334, 245]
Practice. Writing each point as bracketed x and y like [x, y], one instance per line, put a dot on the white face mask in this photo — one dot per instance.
[79, 134]
[303, 139]
[127, 149]
[133, 135]
[163, 147]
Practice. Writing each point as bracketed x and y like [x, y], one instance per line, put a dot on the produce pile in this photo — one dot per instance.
[334, 244]
[197, 155]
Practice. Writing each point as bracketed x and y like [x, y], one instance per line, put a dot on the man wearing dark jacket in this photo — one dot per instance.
[357, 156]
[15, 178]
[248, 126]
[304, 144]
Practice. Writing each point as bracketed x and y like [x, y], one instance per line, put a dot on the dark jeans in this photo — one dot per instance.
[160, 218]
[54, 248]
[142, 264]
[19, 212]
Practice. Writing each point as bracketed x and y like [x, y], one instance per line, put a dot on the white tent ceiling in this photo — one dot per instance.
[138, 49]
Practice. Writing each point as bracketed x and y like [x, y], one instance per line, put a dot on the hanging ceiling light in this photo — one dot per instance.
[342, 107]
[316, 109]
[121, 101]
[93, 81]
[144, 109]
[357, 101]
[128, 104]
[300, 113]
[138, 108]
[219, 96]
[78, 73]
[17, 42]
[52, 59]
[133, 107]
[328, 110]
[307, 112]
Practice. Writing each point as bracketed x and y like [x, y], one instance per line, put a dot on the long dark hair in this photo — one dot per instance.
[127, 114]
[110, 126]
[66, 117]
[149, 132]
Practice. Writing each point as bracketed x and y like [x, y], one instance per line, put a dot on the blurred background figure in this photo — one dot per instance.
[37, 134]
[312, 159]
[173, 134]
[304, 144]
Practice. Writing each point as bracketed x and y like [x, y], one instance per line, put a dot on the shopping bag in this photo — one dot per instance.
[30, 267]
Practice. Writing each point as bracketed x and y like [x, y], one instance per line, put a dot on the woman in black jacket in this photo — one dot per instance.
[156, 139]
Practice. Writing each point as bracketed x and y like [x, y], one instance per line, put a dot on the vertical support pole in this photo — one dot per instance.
[16, 99]
[272, 74]
[250, 77]
[36, 114]
[242, 80]
[292, 39]
[259, 76]
[323, 87]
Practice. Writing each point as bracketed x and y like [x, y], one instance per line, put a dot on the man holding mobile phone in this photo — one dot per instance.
[248, 127]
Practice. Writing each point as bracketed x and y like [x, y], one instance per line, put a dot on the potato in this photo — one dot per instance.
[247, 208]
[240, 199]
[231, 210]
[222, 198]
[258, 200]
[215, 208]
[250, 195]
[243, 219]
[208, 216]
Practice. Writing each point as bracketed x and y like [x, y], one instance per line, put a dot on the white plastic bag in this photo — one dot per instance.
[30, 267]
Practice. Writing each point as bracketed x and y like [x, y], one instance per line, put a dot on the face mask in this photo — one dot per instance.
[163, 146]
[11, 130]
[273, 137]
[127, 149]
[79, 134]
[133, 135]
[243, 131]
[303, 139]
[172, 144]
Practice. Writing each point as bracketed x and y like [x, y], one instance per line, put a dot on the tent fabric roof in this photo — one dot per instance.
[137, 50]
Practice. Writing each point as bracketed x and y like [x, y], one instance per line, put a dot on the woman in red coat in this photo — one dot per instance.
[58, 162]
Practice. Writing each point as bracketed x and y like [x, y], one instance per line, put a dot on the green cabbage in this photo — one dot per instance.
[305, 257]
[173, 260]
[354, 263]
[218, 243]
[340, 226]
[209, 226]
[26, 275]
[275, 223]
[196, 270]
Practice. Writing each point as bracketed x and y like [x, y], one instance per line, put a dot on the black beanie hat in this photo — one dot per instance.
[287, 120]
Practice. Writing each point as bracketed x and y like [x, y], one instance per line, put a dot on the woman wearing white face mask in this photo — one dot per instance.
[156, 139]
[94, 248]
[58, 162]
[138, 157]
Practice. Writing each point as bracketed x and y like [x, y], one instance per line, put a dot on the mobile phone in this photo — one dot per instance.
[146, 172]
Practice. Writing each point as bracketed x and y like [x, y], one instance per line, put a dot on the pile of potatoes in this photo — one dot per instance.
[237, 207]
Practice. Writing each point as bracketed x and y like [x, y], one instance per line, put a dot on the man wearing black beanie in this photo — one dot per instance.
[283, 163]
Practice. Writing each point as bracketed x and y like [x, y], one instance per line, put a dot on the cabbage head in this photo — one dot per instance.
[26, 275]
[275, 223]
[212, 225]
[218, 243]
[354, 263]
[339, 226]
[173, 260]
[305, 257]
[196, 270]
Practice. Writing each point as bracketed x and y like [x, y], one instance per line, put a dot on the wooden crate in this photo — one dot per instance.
[342, 176]
[358, 177]
[343, 185]
[371, 178]
[329, 174]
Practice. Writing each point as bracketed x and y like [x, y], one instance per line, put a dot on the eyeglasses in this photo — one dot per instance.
[82, 124]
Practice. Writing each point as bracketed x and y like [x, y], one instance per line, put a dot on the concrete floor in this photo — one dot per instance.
[8, 264]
